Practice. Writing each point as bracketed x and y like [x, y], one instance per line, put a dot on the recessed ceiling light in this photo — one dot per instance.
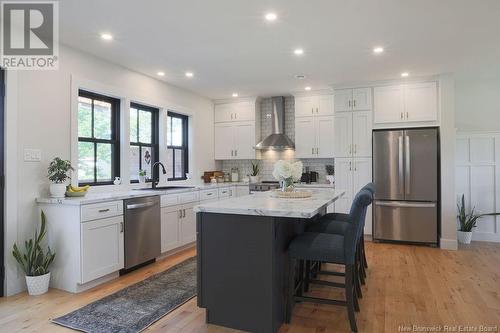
[235, 94]
[106, 36]
[378, 50]
[300, 76]
[271, 17]
[298, 51]
[307, 88]
[405, 74]
[160, 73]
[189, 74]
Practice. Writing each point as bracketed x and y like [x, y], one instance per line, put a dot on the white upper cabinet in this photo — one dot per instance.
[362, 133]
[343, 134]
[223, 139]
[325, 129]
[358, 99]
[244, 140]
[388, 104]
[320, 105]
[413, 102]
[421, 102]
[305, 139]
[238, 111]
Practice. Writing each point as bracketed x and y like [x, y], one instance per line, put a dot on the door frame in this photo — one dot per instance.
[2, 182]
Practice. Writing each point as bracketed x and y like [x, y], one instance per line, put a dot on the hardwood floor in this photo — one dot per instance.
[406, 285]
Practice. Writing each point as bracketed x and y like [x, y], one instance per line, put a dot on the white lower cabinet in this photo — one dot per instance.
[102, 247]
[169, 228]
[351, 174]
[187, 224]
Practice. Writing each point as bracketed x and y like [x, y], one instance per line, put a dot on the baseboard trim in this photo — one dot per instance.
[448, 244]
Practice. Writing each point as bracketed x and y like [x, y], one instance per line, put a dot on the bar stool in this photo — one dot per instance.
[328, 248]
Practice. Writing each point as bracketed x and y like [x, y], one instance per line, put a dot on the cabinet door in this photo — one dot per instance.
[343, 100]
[325, 105]
[169, 228]
[102, 247]
[362, 133]
[388, 104]
[223, 112]
[305, 106]
[244, 140]
[325, 136]
[362, 99]
[362, 175]
[421, 101]
[187, 225]
[305, 137]
[243, 111]
[242, 190]
[223, 141]
[343, 134]
[343, 181]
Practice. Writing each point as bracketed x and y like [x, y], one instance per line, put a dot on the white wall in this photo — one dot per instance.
[477, 103]
[38, 109]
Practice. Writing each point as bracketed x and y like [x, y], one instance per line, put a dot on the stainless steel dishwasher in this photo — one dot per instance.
[142, 230]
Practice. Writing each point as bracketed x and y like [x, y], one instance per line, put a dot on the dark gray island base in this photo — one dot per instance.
[242, 265]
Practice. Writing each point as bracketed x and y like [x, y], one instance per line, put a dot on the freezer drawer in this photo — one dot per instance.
[406, 221]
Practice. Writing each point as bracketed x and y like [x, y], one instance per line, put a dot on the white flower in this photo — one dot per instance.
[285, 169]
[297, 170]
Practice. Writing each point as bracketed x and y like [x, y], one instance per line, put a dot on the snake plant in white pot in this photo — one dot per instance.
[468, 221]
[35, 261]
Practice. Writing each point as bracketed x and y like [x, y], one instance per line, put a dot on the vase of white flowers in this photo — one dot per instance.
[287, 173]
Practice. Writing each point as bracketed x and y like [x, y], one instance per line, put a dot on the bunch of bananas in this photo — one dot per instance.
[72, 188]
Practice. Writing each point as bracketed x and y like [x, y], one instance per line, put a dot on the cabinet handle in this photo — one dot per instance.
[350, 166]
[183, 213]
[209, 193]
[231, 116]
[355, 148]
[401, 115]
[312, 110]
[407, 116]
[355, 167]
[354, 103]
[236, 152]
[317, 151]
[350, 149]
[235, 115]
[180, 213]
[349, 103]
[231, 193]
[121, 227]
[103, 210]
[232, 154]
[317, 110]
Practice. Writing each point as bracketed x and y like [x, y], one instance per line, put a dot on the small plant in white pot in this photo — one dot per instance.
[35, 261]
[468, 222]
[58, 173]
[254, 176]
[142, 176]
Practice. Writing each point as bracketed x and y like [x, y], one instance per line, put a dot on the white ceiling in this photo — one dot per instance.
[231, 48]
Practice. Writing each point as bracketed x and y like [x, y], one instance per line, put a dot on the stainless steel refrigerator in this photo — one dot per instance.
[406, 174]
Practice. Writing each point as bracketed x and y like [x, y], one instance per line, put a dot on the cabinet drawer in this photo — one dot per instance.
[188, 197]
[101, 210]
[169, 200]
[225, 192]
[208, 194]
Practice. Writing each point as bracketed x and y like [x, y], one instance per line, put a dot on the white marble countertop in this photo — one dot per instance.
[91, 198]
[264, 204]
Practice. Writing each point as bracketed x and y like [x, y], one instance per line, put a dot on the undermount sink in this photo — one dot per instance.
[165, 188]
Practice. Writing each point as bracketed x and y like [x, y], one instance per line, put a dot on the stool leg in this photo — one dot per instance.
[357, 277]
[365, 263]
[307, 276]
[301, 278]
[349, 291]
[291, 288]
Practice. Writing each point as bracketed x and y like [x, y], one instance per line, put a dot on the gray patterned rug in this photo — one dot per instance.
[138, 306]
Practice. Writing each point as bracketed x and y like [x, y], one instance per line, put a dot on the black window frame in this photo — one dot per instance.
[114, 141]
[184, 147]
[155, 144]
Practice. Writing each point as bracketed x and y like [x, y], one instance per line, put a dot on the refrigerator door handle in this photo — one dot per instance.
[400, 163]
[407, 166]
[400, 204]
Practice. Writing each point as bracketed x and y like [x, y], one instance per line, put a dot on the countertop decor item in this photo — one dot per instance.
[117, 181]
[235, 174]
[75, 191]
[330, 173]
[254, 175]
[58, 173]
[287, 173]
[35, 261]
[291, 194]
[468, 221]
[142, 176]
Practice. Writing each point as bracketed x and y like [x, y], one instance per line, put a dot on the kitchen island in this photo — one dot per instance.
[242, 256]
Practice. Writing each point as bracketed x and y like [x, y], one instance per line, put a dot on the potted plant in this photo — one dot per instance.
[254, 176]
[287, 173]
[58, 173]
[330, 173]
[35, 262]
[468, 222]
[142, 176]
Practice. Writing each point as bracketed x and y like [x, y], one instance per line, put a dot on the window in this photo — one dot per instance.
[98, 138]
[177, 146]
[143, 140]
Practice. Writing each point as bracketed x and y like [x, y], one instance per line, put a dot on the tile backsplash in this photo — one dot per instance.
[271, 156]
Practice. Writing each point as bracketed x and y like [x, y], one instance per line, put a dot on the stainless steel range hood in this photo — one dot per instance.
[278, 139]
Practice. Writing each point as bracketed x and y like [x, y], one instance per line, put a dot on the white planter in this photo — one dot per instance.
[57, 190]
[38, 285]
[142, 179]
[330, 179]
[464, 237]
[254, 179]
